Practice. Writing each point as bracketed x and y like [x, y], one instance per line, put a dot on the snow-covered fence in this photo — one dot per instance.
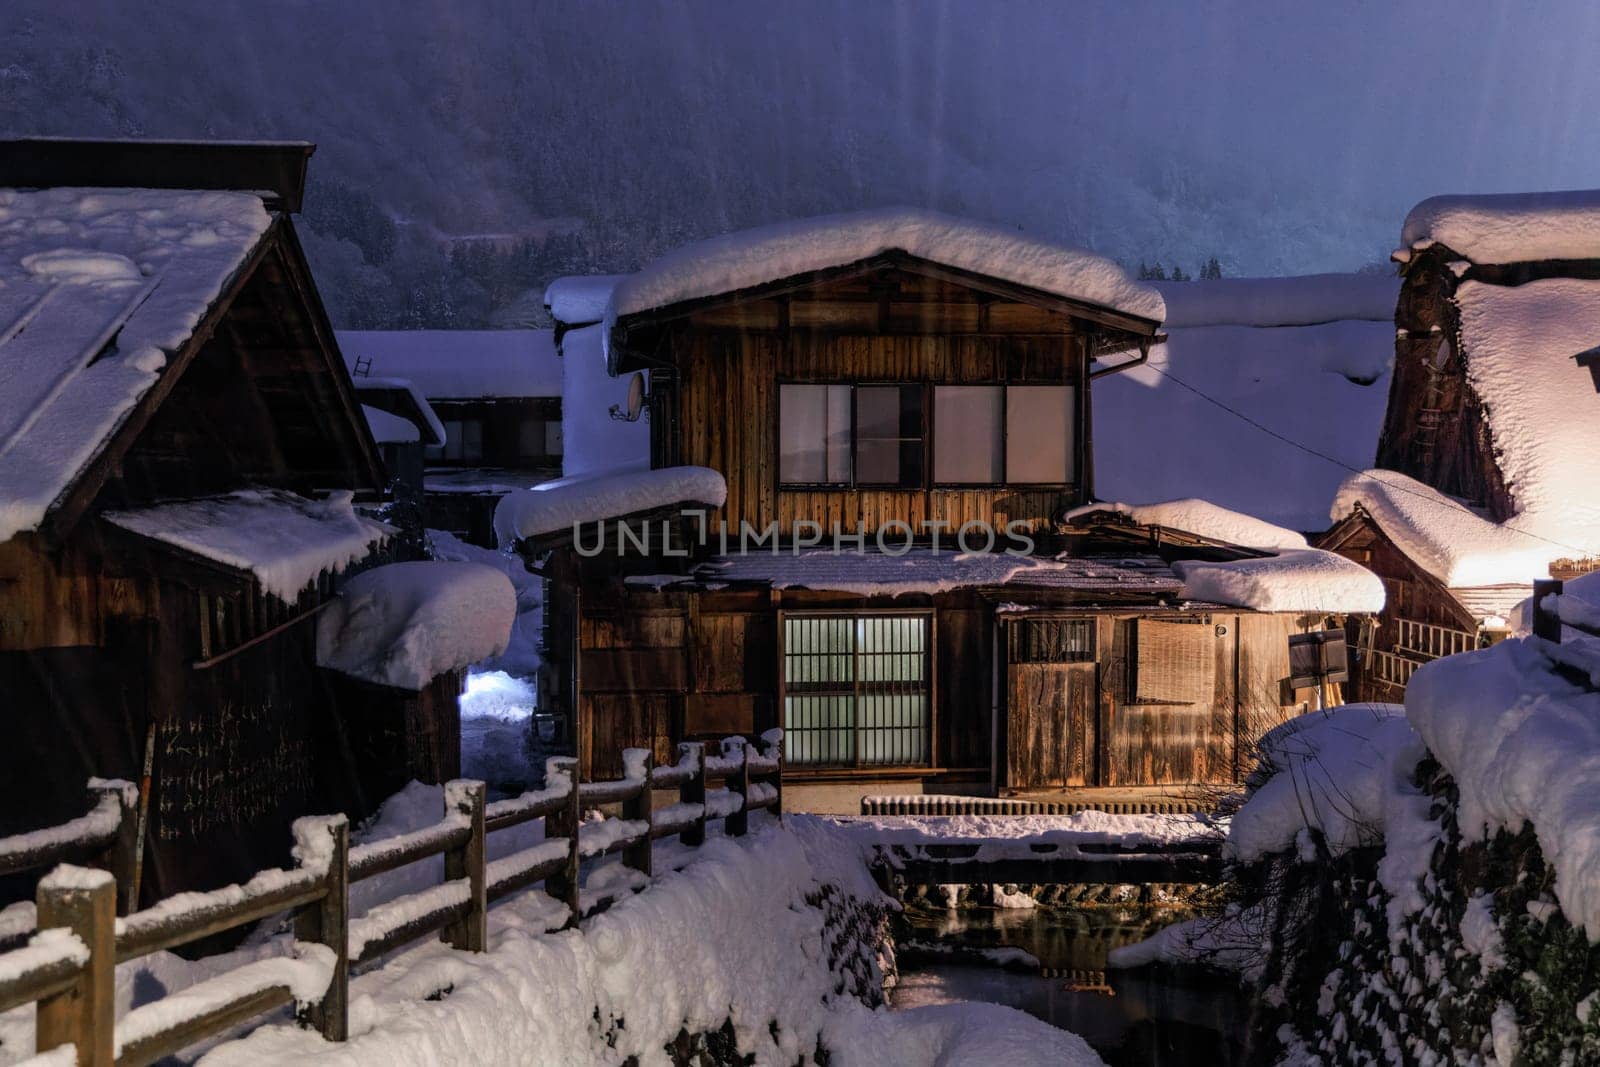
[106, 836]
[67, 966]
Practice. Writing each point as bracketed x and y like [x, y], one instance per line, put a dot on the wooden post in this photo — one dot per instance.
[122, 855]
[564, 823]
[738, 824]
[85, 902]
[694, 792]
[1546, 624]
[775, 753]
[640, 807]
[471, 932]
[327, 922]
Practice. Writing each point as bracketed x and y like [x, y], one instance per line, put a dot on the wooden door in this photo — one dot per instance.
[1050, 716]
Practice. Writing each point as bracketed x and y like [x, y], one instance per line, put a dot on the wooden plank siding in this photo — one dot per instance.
[897, 328]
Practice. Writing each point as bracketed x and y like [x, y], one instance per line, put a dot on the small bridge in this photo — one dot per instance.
[1194, 862]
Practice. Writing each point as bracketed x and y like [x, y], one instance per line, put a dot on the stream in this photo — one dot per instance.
[1149, 1018]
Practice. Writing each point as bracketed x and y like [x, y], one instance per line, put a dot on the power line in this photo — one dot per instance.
[1446, 502]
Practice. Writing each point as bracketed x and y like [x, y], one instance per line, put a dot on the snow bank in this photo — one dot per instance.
[1508, 227]
[1307, 580]
[581, 299]
[1523, 745]
[960, 1033]
[770, 253]
[1303, 300]
[1339, 772]
[592, 441]
[568, 502]
[1519, 342]
[521, 656]
[97, 288]
[1221, 412]
[1204, 519]
[283, 539]
[460, 364]
[1450, 540]
[405, 624]
[390, 429]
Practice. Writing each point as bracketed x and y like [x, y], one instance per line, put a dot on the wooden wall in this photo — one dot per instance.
[1434, 429]
[730, 360]
[1219, 687]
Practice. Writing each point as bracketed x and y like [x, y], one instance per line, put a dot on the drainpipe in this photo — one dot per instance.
[1144, 357]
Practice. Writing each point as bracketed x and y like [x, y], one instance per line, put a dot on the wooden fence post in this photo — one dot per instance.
[775, 753]
[738, 823]
[694, 792]
[122, 855]
[85, 902]
[637, 855]
[327, 922]
[564, 823]
[471, 932]
[1546, 624]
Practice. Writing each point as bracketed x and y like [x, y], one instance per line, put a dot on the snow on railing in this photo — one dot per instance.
[67, 963]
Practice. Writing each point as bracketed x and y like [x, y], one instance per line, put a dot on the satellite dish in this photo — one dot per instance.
[636, 400]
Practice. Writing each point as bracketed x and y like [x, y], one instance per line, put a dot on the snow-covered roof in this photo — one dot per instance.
[285, 540]
[1303, 300]
[771, 253]
[1453, 542]
[592, 442]
[390, 429]
[1244, 417]
[1522, 744]
[1204, 519]
[422, 416]
[923, 571]
[1540, 404]
[405, 624]
[1299, 580]
[580, 299]
[97, 288]
[1507, 227]
[566, 502]
[460, 364]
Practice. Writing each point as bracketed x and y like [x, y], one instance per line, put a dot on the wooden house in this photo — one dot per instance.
[181, 453]
[496, 400]
[1489, 456]
[918, 383]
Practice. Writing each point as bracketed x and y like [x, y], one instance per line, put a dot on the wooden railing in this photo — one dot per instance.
[67, 966]
[1390, 668]
[1426, 641]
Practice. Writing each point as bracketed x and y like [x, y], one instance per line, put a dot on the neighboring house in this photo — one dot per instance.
[1488, 462]
[181, 455]
[911, 375]
[496, 395]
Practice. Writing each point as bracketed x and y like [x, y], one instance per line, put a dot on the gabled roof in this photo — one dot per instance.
[100, 289]
[775, 259]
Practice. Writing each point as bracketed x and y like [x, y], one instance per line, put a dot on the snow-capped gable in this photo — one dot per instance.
[1507, 227]
[1204, 519]
[98, 287]
[770, 253]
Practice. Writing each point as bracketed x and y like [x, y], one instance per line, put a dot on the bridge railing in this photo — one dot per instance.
[67, 966]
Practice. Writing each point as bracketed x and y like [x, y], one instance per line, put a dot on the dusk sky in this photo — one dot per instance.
[1280, 138]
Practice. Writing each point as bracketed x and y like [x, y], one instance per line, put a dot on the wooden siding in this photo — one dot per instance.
[727, 411]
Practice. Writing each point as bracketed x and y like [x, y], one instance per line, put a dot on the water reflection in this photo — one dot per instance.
[1161, 1019]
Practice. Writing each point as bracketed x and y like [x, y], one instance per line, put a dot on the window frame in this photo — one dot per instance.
[1076, 444]
[855, 423]
[929, 682]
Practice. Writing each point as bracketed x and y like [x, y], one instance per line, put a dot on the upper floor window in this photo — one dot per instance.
[1003, 435]
[868, 435]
